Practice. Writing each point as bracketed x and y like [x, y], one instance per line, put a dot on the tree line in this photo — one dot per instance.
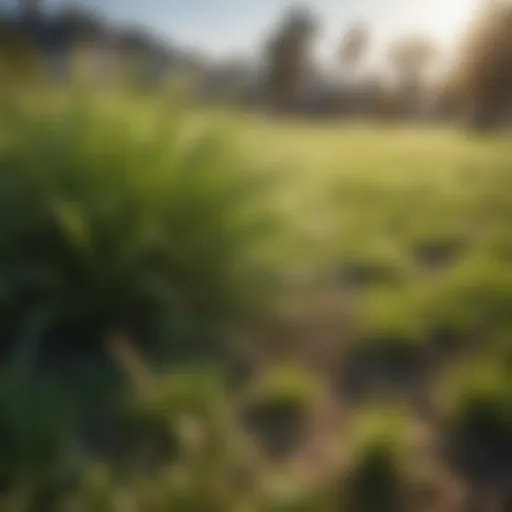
[478, 83]
[477, 86]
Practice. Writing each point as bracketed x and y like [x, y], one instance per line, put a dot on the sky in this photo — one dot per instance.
[225, 28]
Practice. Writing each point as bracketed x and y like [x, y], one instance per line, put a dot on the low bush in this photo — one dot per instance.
[474, 297]
[285, 494]
[376, 480]
[40, 451]
[122, 212]
[392, 324]
[278, 406]
[187, 411]
[476, 414]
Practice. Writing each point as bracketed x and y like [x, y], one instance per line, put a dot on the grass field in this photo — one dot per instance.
[416, 218]
[352, 176]
[393, 252]
[413, 225]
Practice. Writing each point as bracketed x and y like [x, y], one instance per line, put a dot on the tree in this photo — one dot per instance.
[353, 46]
[288, 54]
[411, 57]
[30, 8]
[486, 63]
[351, 52]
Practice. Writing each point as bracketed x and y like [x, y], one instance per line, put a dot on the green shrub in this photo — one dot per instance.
[40, 454]
[118, 212]
[393, 327]
[376, 480]
[476, 413]
[389, 351]
[439, 224]
[285, 494]
[192, 405]
[277, 407]
[475, 296]
[189, 408]
[287, 383]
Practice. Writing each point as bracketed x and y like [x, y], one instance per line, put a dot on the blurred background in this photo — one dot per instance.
[423, 61]
[256, 256]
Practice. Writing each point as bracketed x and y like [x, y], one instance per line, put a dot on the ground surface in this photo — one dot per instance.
[412, 224]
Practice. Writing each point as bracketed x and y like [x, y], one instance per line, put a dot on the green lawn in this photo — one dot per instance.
[416, 223]
[109, 222]
[356, 176]
[417, 218]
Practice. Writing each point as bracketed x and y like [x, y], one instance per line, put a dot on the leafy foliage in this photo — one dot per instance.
[376, 479]
[477, 415]
[278, 406]
[113, 223]
[289, 56]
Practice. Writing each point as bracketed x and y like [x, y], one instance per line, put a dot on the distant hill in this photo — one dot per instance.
[54, 37]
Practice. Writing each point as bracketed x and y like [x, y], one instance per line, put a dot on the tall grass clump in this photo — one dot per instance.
[392, 346]
[277, 409]
[40, 454]
[188, 411]
[473, 298]
[376, 478]
[123, 212]
[476, 420]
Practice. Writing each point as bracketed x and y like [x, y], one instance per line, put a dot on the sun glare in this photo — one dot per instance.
[448, 18]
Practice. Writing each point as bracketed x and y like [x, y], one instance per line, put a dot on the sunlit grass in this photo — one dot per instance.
[115, 207]
[421, 207]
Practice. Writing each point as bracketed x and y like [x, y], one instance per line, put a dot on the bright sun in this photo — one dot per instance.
[448, 18]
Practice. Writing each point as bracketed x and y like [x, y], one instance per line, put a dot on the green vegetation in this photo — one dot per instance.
[477, 407]
[152, 226]
[377, 477]
[148, 228]
[278, 407]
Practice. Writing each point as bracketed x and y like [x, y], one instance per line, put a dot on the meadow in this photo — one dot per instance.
[221, 311]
